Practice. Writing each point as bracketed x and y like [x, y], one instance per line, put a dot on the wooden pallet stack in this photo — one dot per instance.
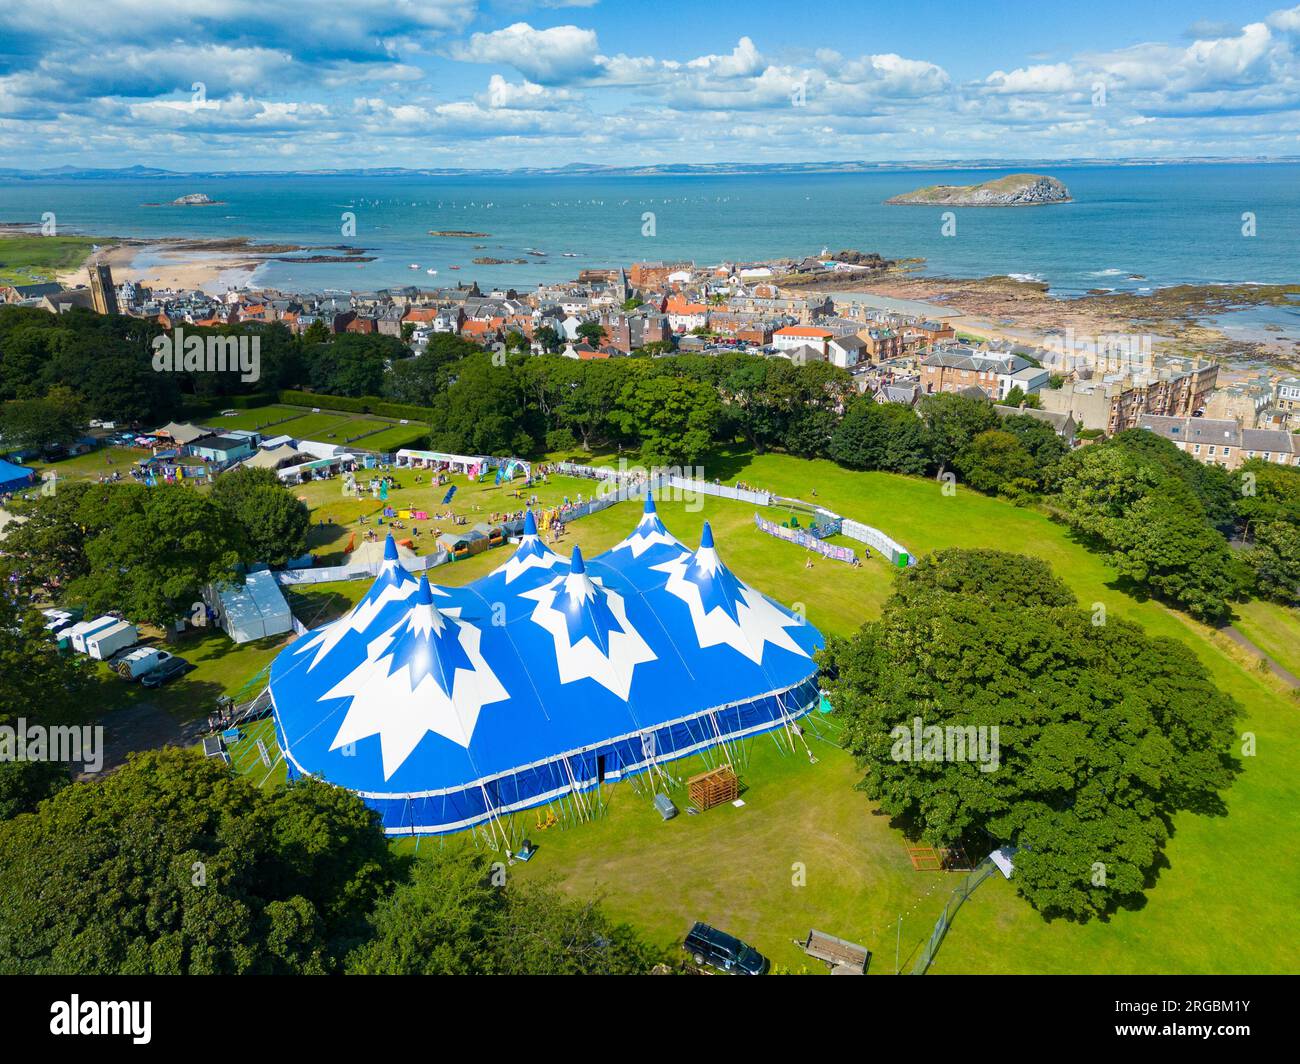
[713, 788]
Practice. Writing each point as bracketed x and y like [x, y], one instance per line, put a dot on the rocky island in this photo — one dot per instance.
[461, 233]
[192, 199]
[1014, 190]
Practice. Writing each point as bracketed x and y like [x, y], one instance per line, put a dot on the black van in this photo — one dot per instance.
[708, 945]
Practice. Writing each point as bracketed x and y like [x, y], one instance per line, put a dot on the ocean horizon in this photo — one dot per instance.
[1128, 228]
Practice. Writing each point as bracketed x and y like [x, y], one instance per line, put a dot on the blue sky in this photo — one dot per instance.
[295, 84]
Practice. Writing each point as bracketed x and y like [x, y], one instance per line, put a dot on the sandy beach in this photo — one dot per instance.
[160, 265]
[212, 266]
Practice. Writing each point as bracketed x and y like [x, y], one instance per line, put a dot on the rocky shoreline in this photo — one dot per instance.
[1003, 307]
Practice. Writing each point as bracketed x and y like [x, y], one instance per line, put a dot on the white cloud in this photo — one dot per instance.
[337, 82]
[743, 62]
[547, 57]
[1054, 77]
[524, 96]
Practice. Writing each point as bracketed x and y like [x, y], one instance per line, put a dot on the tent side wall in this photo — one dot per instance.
[480, 801]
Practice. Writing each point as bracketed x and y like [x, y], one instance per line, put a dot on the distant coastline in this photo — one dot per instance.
[847, 166]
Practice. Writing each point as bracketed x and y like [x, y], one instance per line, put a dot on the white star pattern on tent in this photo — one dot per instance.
[588, 623]
[532, 553]
[393, 584]
[358, 619]
[425, 674]
[734, 614]
[649, 531]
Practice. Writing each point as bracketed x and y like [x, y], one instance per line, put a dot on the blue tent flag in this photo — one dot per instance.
[445, 707]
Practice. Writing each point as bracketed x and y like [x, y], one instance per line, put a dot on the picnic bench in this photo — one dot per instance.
[840, 955]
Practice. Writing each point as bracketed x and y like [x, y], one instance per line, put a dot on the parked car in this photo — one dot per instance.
[708, 945]
[164, 673]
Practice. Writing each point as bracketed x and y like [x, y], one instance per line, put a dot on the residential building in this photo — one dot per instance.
[1063, 424]
[995, 374]
[1223, 442]
[796, 336]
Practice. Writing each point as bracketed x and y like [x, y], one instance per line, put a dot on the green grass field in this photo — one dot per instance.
[1274, 629]
[392, 439]
[31, 259]
[1227, 901]
[807, 850]
[255, 419]
[367, 433]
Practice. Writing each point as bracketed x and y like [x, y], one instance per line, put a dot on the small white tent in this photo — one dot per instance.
[254, 611]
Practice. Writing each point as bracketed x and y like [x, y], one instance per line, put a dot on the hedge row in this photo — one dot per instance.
[203, 405]
[245, 402]
[367, 404]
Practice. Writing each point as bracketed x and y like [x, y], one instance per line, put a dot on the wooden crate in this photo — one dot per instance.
[713, 788]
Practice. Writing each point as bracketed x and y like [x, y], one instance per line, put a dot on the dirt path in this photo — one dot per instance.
[1285, 675]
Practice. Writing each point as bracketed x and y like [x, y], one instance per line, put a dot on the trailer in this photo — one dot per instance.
[840, 955]
[106, 642]
[78, 632]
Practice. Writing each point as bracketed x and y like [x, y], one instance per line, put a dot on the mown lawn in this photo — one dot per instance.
[31, 258]
[395, 438]
[1275, 629]
[253, 420]
[90, 466]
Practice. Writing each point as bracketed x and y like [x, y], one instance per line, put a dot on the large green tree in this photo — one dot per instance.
[1154, 527]
[1265, 493]
[163, 544]
[1274, 561]
[483, 411]
[35, 424]
[1210, 484]
[996, 461]
[41, 686]
[672, 417]
[886, 436]
[1103, 733]
[171, 865]
[951, 422]
[272, 520]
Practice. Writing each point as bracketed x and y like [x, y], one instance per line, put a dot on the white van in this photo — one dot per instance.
[135, 663]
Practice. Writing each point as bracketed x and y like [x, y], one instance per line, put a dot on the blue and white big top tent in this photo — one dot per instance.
[447, 707]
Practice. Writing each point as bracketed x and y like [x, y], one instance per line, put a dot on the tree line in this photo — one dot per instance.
[1163, 518]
